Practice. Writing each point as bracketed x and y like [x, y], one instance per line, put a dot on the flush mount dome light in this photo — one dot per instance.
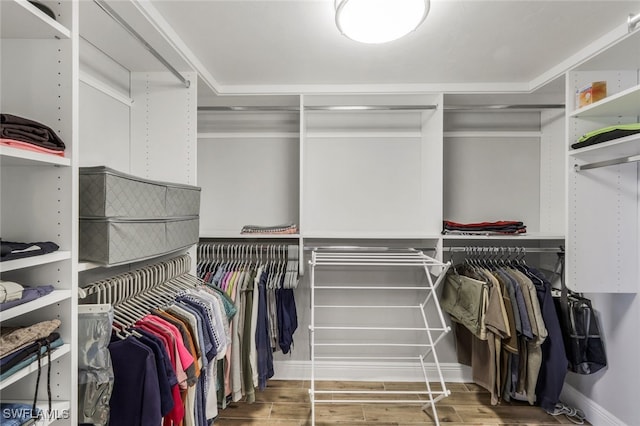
[379, 21]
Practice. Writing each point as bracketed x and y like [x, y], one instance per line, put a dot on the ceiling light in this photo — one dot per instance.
[379, 21]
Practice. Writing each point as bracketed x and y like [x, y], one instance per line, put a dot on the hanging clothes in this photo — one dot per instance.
[506, 329]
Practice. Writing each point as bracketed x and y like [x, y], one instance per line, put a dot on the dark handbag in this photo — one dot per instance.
[580, 331]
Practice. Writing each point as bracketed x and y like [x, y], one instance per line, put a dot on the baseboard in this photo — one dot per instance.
[596, 414]
[369, 371]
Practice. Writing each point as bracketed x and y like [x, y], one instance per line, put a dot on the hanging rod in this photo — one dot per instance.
[370, 107]
[114, 15]
[504, 107]
[632, 21]
[256, 108]
[525, 249]
[624, 160]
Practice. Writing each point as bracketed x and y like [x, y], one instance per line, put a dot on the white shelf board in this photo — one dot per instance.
[21, 19]
[58, 410]
[22, 373]
[369, 236]
[51, 298]
[86, 266]
[27, 262]
[10, 156]
[617, 148]
[492, 134]
[622, 104]
[249, 135]
[364, 134]
[527, 236]
[237, 235]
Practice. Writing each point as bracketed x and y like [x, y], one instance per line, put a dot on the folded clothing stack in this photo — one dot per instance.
[502, 227]
[607, 134]
[23, 133]
[10, 250]
[289, 228]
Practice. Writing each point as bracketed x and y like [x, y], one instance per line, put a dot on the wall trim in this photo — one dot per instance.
[370, 371]
[596, 414]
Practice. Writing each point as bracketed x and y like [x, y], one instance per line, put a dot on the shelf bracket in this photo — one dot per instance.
[624, 160]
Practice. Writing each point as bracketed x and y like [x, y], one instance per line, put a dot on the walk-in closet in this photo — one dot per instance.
[239, 212]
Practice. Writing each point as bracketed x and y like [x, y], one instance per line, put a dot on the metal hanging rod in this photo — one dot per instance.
[521, 249]
[504, 107]
[114, 15]
[263, 108]
[319, 108]
[255, 108]
[624, 160]
[632, 21]
[370, 107]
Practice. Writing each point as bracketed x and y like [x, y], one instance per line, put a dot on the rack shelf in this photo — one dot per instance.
[21, 19]
[27, 262]
[55, 354]
[528, 236]
[622, 104]
[51, 298]
[20, 157]
[239, 236]
[622, 147]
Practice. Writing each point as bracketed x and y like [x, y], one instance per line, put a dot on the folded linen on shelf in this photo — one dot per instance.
[30, 131]
[12, 143]
[289, 228]
[605, 134]
[10, 250]
[28, 294]
[10, 291]
[13, 339]
[502, 227]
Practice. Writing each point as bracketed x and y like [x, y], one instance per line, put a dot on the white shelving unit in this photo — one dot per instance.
[38, 191]
[603, 207]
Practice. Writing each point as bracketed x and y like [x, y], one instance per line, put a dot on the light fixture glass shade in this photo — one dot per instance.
[379, 21]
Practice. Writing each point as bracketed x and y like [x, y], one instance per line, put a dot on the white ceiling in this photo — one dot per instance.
[293, 46]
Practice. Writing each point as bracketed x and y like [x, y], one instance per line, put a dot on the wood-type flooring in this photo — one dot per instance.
[287, 403]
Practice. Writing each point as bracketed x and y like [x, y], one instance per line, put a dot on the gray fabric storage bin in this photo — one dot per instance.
[105, 192]
[113, 241]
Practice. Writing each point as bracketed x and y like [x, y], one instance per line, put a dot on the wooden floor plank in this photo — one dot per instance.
[288, 404]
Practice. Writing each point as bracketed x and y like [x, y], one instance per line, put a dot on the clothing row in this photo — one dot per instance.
[165, 367]
[507, 330]
[265, 322]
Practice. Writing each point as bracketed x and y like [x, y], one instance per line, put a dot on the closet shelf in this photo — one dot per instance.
[33, 367]
[492, 134]
[27, 262]
[59, 410]
[617, 148]
[51, 298]
[518, 237]
[21, 19]
[370, 235]
[20, 157]
[622, 104]
[239, 236]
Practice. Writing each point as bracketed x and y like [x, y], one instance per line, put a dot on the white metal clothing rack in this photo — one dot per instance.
[376, 257]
